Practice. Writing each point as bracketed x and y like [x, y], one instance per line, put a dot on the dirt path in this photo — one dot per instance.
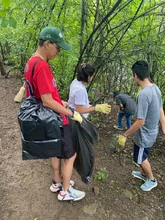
[25, 194]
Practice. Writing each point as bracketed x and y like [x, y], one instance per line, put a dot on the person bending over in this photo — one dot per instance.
[127, 108]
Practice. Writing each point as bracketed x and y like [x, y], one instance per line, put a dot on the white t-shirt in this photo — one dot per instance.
[78, 96]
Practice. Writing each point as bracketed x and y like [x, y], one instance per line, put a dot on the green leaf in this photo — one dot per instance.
[4, 23]
[3, 12]
[12, 22]
[6, 3]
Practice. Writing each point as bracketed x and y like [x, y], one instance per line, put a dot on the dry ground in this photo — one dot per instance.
[25, 194]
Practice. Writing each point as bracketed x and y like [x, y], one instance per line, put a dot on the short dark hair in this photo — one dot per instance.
[84, 70]
[141, 68]
[115, 93]
[41, 42]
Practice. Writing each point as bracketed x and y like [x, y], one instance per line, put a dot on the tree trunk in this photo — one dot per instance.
[2, 68]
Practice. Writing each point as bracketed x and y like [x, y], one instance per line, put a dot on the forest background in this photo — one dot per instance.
[110, 34]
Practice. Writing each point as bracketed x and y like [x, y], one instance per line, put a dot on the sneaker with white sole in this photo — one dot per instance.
[71, 195]
[149, 184]
[56, 187]
[118, 128]
[139, 175]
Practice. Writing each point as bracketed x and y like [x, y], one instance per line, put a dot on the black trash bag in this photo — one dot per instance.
[84, 136]
[40, 129]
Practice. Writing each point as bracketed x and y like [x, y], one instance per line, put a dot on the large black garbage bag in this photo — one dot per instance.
[40, 129]
[84, 136]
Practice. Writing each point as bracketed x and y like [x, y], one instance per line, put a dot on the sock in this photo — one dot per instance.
[55, 183]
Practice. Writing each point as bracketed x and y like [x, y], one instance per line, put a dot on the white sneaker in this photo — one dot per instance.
[118, 128]
[71, 194]
[56, 187]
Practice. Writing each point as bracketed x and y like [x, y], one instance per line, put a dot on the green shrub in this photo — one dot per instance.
[101, 174]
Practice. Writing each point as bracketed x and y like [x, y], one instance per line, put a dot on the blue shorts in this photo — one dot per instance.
[140, 154]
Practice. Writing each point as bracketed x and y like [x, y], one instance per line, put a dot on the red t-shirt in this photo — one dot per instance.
[43, 81]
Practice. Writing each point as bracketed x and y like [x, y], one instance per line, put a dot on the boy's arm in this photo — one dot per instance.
[138, 123]
[121, 107]
[162, 120]
[122, 138]
[49, 102]
[83, 110]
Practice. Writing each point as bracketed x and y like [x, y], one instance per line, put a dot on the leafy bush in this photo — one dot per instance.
[101, 174]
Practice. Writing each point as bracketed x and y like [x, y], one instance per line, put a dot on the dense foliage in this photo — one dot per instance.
[110, 34]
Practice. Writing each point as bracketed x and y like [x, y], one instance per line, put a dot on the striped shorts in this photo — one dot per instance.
[140, 154]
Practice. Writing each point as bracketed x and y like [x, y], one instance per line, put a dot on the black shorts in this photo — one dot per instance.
[68, 150]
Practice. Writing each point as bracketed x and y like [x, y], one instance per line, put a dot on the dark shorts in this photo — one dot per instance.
[68, 150]
[140, 154]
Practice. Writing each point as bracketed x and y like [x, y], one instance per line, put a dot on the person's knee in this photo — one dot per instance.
[71, 160]
[55, 163]
[144, 162]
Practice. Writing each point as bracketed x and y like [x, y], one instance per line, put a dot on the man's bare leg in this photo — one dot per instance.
[56, 165]
[146, 169]
[67, 172]
[143, 172]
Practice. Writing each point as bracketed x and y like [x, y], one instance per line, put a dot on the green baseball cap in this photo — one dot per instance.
[54, 35]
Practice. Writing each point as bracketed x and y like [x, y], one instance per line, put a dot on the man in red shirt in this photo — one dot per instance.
[50, 42]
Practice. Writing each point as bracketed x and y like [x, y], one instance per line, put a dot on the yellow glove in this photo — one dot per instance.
[121, 140]
[77, 117]
[104, 108]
